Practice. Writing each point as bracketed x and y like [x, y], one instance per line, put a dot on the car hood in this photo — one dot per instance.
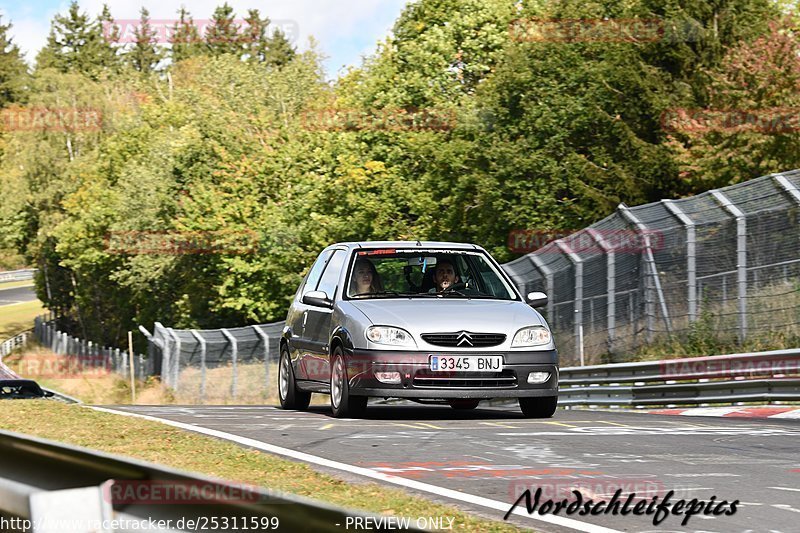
[433, 315]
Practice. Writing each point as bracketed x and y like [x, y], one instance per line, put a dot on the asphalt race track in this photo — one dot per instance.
[495, 454]
[16, 295]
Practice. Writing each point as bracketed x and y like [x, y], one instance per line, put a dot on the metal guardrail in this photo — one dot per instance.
[755, 377]
[52, 484]
[17, 275]
[13, 343]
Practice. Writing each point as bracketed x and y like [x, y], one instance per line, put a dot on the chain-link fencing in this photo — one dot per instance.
[218, 365]
[725, 263]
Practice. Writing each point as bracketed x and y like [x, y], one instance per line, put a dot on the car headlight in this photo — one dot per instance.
[390, 336]
[531, 336]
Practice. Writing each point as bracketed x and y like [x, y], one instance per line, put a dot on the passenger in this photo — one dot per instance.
[366, 279]
[444, 276]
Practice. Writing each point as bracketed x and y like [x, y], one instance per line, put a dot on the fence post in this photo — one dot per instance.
[788, 186]
[548, 284]
[691, 255]
[202, 342]
[234, 357]
[611, 280]
[175, 361]
[654, 277]
[741, 258]
[265, 339]
[576, 260]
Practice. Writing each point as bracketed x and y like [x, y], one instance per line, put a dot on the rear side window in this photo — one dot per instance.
[330, 279]
[316, 271]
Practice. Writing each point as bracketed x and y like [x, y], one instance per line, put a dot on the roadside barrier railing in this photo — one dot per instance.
[18, 341]
[17, 275]
[48, 483]
[750, 377]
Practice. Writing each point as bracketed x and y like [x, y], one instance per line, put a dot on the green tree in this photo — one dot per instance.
[255, 42]
[222, 36]
[279, 50]
[145, 54]
[185, 40]
[273, 50]
[749, 127]
[13, 71]
[77, 43]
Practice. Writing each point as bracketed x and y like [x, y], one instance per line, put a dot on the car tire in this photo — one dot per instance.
[538, 407]
[288, 393]
[343, 404]
[464, 405]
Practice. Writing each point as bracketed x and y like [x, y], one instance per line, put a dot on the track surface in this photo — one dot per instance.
[495, 453]
[16, 295]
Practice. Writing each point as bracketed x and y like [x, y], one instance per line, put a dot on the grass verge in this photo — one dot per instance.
[16, 318]
[158, 443]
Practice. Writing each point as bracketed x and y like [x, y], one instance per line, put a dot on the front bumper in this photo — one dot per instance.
[418, 381]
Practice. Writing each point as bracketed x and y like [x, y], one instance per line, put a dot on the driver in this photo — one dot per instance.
[444, 276]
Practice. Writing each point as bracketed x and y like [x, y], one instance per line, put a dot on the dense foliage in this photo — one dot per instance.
[458, 128]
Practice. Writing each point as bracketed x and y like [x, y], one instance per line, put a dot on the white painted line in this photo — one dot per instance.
[785, 507]
[366, 472]
[710, 411]
[17, 303]
[785, 488]
[795, 413]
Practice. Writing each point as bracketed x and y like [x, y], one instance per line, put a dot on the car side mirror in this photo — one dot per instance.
[318, 299]
[537, 299]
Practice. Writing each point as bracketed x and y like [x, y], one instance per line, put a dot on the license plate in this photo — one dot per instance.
[466, 363]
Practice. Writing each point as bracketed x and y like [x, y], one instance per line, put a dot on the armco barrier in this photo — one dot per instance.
[47, 482]
[756, 377]
[13, 343]
[17, 275]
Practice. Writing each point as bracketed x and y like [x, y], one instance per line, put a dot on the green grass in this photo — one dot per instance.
[159, 443]
[16, 318]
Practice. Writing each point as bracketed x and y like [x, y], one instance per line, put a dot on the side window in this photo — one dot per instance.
[330, 279]
[316, 272]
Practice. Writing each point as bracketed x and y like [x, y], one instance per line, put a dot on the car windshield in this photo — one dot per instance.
[398, 273]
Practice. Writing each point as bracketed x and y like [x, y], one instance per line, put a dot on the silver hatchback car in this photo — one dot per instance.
[433, 322]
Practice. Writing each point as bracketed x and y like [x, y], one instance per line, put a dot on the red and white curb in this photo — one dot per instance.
[734, 412]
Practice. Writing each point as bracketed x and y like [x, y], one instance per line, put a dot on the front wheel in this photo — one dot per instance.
[538, 407]
[343, 404]
[288, 393]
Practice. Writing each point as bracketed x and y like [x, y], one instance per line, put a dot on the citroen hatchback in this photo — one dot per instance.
[433, 322]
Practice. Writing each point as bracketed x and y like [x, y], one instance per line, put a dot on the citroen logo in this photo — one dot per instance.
[464, 338]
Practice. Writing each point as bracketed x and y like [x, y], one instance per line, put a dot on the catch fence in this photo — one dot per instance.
[722, 264]
[220, 365]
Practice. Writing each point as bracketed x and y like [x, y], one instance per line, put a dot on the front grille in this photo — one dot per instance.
[464, 339]
[472, 380]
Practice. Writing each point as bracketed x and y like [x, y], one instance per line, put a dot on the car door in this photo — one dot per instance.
[298, 317]
[318, 326]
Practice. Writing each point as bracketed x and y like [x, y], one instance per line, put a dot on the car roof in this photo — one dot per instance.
[408, 244]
